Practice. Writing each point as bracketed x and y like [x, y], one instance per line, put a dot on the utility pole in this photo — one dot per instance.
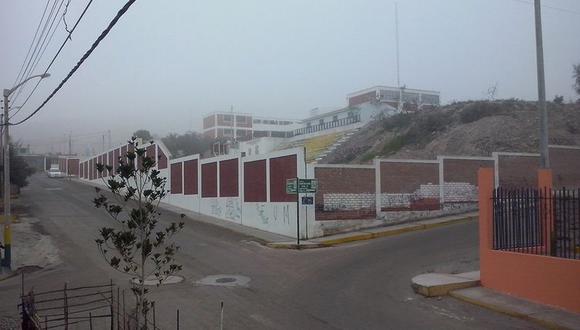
[109, 133]
[69, 144]
[6, 262]
[543, 116]
[103, 143]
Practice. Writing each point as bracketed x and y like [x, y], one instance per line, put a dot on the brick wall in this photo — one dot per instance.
[73, 166]
[229, 178]
[565, 164]
[518, 171]
[190, 177]
[176, 178]
[463, 170]
[209, 180]
[255, 181]
[409, 186]
[345, 193]
[281, 169]
[359, 99]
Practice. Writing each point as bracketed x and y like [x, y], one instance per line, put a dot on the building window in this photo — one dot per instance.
[228, 132]
[350, 114]
[320, 121]
[257, 121]
[308, 124]
[228, 117]
[335, 118]
[241, 119]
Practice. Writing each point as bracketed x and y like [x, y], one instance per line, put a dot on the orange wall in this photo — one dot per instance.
[543, 279]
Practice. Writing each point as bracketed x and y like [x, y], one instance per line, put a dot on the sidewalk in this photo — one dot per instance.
[278, 241]
[466, 287]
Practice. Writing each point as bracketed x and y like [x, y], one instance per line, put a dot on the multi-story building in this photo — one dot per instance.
[243, 126]
[403, 99]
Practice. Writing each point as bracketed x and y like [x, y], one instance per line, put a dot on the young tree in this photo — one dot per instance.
[144, 134]
[140, 246]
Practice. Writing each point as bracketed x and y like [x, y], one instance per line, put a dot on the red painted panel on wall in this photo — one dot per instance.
[161, 159]
[281, 169]
[255, 181]
[229, 178]
[176, 178]
[190, 177]
[124, 153]
[150, 151]
[209, 180]
[116, 155]
[99, 161]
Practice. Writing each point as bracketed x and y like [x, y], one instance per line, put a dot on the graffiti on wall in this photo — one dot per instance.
[277, 214]
[233, 209]
[214, 208]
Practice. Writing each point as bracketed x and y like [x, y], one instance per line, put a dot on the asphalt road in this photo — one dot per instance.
[357, 286]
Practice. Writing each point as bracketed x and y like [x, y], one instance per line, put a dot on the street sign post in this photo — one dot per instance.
[296, 187]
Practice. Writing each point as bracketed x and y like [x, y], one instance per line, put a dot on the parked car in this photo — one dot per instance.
[55, 173]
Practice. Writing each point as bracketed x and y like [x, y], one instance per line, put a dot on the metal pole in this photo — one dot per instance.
[544, 156]
[297, 213]
[7, 261]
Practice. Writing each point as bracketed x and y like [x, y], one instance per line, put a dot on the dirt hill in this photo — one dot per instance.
[466, 128]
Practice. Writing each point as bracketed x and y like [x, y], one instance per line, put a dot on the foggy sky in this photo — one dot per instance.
[167, 63]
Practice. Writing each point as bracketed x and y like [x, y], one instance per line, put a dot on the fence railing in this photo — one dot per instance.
[327, 125]
[537, 221]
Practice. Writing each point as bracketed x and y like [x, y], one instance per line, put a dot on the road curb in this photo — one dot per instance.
[508, 311]
[393, 232]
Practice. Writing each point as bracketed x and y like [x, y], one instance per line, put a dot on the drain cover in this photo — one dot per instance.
[151, 280]
[225, 280]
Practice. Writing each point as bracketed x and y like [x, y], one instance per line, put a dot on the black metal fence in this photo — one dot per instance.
[537, 221]
[327, 125]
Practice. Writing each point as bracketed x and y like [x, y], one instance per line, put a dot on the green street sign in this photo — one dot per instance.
[291, 186]
[307, 185]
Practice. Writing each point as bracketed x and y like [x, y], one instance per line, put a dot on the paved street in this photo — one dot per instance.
[357, 286]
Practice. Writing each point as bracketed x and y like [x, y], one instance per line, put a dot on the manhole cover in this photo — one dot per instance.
[151, 280]
[225, 280]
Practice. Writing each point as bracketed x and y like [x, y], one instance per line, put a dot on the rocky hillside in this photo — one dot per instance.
[465, 128]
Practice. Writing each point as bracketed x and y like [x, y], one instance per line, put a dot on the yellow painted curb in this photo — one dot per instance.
[394, 232]
[512, 313]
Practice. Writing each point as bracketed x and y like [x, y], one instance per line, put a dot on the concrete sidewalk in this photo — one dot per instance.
[466, 287]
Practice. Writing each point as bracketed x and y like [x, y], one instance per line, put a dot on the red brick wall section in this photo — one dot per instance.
[407, 177]
[124, 153]
[161, 159]
[116, 155]
[565, 165]
[209, 180]
[464, 170]
[190, 177]
[255, 181]
[281, 169]
[344, 188]
[518, 171]
[86, 170]
[229, 178]
[176, 178]
[404, 179]
[93, 168]
[99, 161]
[209, 121]
[73, 167]
[366, 97]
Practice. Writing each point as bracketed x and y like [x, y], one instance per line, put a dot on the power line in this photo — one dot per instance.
[36, 56]
[68, 37]
[20, 78]
[569, 11]
[105, 32]
[31, 43]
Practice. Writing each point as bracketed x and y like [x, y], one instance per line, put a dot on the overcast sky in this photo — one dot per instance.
[167, 63]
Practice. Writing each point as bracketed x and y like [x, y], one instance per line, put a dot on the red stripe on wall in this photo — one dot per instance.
[255, 181]
[229, 178]
[190, 177]
[176, 178]
[282, 169]
[209, 180]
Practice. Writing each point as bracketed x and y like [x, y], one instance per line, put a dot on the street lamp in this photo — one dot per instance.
[7, 260]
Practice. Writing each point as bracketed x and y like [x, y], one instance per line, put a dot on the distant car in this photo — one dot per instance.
[55, 173]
